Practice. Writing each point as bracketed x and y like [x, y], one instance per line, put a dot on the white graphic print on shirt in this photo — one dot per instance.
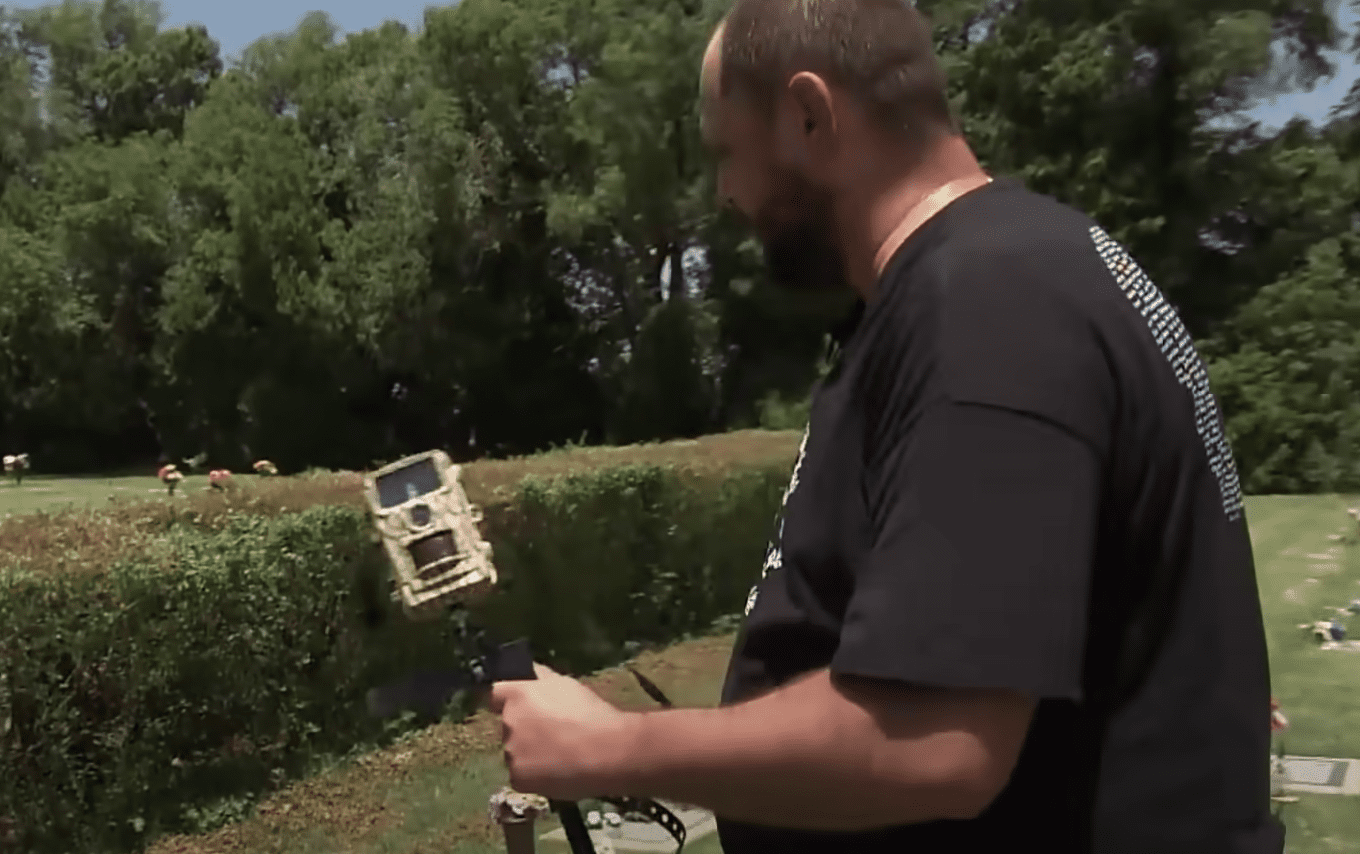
[1179, 349]
[774, 553]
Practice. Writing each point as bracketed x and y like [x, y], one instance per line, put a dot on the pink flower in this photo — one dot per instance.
[218, 477]
[165, 472]
[1278, 722]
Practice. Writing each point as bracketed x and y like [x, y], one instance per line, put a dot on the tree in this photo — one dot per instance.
[110, 72]
[1123, 110]
[247, 285]
[21, 130]
[43, 316]
[500, 234]
[1286, 368]
[92, 224]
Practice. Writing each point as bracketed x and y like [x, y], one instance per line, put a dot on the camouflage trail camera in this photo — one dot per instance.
[429, 530]
[439, 560]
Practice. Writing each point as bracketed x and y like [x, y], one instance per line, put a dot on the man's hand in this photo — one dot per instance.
[561, 739]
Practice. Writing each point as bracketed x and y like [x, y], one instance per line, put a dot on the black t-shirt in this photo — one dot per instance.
[1015, 476]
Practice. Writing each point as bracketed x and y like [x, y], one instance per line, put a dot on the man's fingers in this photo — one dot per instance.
[501, 692]
[498, 695]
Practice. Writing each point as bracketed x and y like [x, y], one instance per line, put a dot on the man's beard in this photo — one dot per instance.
[798, 235]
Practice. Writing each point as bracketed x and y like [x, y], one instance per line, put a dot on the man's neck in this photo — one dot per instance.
[892, 211]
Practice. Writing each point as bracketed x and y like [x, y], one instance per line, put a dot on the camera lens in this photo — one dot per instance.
[420, 515]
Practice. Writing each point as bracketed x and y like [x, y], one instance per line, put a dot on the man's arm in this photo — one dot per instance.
[830, 754]
[938, 602]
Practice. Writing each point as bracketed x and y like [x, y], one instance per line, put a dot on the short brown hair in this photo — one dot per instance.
[878, 50]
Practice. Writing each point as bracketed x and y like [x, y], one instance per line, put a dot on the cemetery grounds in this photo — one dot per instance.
[428, 793]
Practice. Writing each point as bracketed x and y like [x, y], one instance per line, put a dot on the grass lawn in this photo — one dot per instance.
[1319, 691]
[49, 492]
[429, 794]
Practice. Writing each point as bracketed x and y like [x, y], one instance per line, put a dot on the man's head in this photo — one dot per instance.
[800, 100]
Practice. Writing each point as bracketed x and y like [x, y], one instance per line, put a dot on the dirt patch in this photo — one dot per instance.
[351, 806]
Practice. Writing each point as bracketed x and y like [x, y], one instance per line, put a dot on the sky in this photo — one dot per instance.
[236, 25]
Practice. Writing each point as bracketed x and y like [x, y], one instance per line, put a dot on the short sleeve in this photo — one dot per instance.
[1015, 326]
[984, 538]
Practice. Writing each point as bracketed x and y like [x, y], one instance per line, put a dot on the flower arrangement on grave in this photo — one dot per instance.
[1278, 725]
[219, 479]
[265, 467]
[17, 465]
[170, 476]
[1325, 631]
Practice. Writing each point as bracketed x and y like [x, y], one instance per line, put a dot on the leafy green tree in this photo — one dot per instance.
[43, 316]
[634, 202]
[512, 273]
[1285, 362]
[100, 212]
[663, 389]
[242, 303]
[500, 234]
[86, 83]
[107, 218]
[111, 71]
[1297, 189]
[1344, 127]
[1287, 370]
[1124, 109]
[22, 136]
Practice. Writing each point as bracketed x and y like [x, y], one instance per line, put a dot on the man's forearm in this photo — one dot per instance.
[801, 757]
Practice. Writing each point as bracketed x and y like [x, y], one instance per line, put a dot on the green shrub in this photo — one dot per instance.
[169, 693]
[633, 554]
[776, 413]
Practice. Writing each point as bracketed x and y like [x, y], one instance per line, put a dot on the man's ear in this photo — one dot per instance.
[809, 124]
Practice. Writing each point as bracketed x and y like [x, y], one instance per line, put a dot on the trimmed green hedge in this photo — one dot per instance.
[170, 693]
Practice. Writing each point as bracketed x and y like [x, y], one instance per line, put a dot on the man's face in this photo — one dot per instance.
[794, 223]
[791, 215]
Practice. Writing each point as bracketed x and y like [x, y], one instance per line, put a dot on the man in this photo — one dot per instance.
[1012, 599]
